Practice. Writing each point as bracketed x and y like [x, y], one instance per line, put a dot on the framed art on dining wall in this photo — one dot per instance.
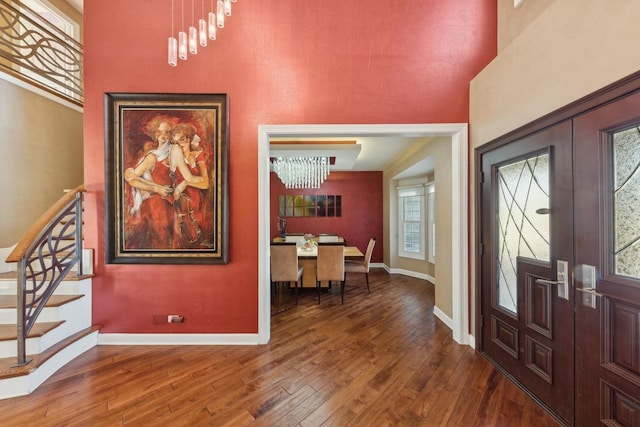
[166, 178]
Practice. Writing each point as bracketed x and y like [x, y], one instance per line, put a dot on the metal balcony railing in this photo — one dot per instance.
[35, 51]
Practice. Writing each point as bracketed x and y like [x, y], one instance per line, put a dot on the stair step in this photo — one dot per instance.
[63, 329]
[71, 276]
[66, 287]
[9, 332]
[9, 370]
[11, 301]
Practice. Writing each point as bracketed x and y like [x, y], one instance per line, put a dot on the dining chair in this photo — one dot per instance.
[284, 267]
[327, 238]
[330, 266]
[356, 266]
[294, 237]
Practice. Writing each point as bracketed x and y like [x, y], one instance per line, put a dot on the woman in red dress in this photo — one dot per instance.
[188, 169]
[150, 217]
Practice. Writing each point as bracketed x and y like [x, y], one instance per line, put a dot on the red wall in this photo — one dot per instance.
[280, 62]
[361, 217]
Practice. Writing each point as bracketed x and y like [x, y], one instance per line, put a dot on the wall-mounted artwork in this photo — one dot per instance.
[166, 178]
[309, 205]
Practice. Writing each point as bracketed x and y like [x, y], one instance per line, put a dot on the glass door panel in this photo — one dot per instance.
[523, 207]
[626, 202]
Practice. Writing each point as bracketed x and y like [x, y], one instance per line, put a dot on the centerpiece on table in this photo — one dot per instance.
[307, 243]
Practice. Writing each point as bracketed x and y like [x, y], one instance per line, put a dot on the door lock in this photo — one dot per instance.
[563, 279]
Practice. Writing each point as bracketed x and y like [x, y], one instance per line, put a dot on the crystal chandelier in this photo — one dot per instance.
[302, 172]
[206, 30]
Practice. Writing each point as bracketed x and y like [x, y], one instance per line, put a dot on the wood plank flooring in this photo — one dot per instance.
[381, 359]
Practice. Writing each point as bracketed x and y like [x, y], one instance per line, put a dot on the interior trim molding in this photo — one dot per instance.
[457, 132]
[34, 89]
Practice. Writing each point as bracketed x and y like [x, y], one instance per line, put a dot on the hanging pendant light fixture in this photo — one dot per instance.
[202, 27]
[182, 39]
[193, 33]
[173, 44]
[220, 14]
[212, 23]
[206, 29]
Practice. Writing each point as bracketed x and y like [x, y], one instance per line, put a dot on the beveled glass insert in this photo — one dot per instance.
[523, 221]
[626, 202]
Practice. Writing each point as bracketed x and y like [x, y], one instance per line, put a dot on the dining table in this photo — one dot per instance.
[307, 260]
[349, 252]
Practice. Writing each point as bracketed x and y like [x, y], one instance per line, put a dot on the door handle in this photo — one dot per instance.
[591, 291]
[550, 282]
[563, 279]
[585, 277]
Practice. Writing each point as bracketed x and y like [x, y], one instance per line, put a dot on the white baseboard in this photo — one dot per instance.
[178, 339]
[470, 339]
[409, 273]
[445, 319]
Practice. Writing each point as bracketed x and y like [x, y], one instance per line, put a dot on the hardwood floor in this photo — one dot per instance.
[381, 359]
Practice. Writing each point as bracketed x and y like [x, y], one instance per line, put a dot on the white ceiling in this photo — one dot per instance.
[376, 153]
[345, 155]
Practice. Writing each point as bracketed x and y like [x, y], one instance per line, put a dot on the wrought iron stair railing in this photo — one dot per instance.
[47, 253]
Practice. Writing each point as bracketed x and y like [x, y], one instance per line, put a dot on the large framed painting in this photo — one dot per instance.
[166, 178]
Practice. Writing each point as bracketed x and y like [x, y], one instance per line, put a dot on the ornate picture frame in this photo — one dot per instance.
[166, 189]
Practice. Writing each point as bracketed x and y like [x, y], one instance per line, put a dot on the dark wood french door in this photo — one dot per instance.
[527, 248]
[607, 275]
[560, 264]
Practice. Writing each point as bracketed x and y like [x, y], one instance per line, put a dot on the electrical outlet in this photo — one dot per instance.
[175, 318]
[163, 319]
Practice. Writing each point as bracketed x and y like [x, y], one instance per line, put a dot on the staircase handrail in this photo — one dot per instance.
[45, 255]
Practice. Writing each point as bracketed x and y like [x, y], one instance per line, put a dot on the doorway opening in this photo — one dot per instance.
[458, 135]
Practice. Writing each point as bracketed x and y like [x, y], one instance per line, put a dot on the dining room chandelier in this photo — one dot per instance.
[302, 172]
[206, 29]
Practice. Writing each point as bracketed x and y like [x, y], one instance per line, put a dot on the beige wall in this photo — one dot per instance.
[572, 49]
[42, 151]
[514, 20]
[551, 54]
[42, 154]
[440, 148]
